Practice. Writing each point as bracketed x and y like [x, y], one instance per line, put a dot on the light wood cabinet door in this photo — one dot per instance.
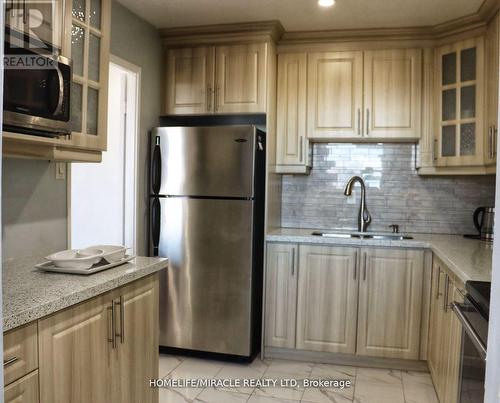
[24, 390]
[435, 322]
[492, 72]
[454, 341]
[392, 93]
[75, 354]
[86, 40]
[327, 299]
[334, 95]
[437, 331]
[292, 144]
[281, 295]
[190, 81]
[240, 78]
[135, 359]
[390, 301]
[460, 110]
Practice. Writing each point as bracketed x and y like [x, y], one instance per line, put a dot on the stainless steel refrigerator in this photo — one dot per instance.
[207, 217]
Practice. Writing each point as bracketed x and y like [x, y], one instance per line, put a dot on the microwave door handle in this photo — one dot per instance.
[59, 106]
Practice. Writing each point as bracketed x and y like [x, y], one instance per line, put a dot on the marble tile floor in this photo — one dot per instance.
[368, 385]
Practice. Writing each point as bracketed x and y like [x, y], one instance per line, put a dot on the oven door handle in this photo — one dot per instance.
[469, 329]
[60, 101]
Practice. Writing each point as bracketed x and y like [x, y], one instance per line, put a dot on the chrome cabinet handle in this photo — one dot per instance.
[439, 278]
[301, 145]
[364, 266]
[355, 264]
[209, 98]
[359, 122]
[112, 338]
[293, 261]
[217, 98]
[446, 286]
[121, 335]
[9, 361]
[494, 132]
[367, 121]
[490, 147]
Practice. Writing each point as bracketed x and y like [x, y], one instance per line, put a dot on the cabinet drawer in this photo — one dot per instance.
[20, 352]
[24, 390]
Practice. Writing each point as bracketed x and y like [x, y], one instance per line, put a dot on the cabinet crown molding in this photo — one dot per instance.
[213, 34]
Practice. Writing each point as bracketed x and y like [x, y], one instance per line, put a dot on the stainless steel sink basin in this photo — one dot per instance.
[389, 237]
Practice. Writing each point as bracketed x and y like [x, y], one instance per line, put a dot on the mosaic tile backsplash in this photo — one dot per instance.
[395, 194]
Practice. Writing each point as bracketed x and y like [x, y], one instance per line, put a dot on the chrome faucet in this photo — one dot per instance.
[364, 217]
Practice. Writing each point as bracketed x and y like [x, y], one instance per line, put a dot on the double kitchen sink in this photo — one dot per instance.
[363, 235]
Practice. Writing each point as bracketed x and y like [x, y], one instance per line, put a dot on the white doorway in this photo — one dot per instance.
[103, 197]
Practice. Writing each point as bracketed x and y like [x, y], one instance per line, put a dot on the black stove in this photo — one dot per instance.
[478, 293]
[473, 315]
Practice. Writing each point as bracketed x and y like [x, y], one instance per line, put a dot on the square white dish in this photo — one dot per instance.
[102, 265]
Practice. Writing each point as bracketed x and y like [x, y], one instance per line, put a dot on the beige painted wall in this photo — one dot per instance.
[33, 208]
[138, 42]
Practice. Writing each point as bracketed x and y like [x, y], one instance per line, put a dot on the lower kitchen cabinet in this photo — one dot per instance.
[24, 390]
[445, 334]
[103, 350]
[327, 299]
[281, 295]
[363, 301]
[390, 303]
[135, 359]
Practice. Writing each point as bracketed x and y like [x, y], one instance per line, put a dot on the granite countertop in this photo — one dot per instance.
[469, 259]
[30, 294]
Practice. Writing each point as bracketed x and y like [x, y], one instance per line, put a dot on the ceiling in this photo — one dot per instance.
[303, 15]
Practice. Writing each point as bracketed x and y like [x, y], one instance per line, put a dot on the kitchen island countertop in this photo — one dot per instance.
[469, 259]
[30, 294]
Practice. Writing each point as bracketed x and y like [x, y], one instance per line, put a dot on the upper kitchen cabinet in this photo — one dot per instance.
[334, 95]
[223, 79]
[292, 144]
[190, 80]
[240, 78]
[460, 104]
[392, 94]
[492, 42]
[86, 42]
[364, 96]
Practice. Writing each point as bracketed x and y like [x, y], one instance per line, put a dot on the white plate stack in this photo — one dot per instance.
[86, 261]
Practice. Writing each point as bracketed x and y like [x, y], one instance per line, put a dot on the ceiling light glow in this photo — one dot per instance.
[326, 3]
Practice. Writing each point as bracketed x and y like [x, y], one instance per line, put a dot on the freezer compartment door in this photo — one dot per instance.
[205, 294]
[203, 161]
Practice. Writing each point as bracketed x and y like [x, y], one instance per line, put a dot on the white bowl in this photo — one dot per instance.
[111, 253]
[76, 258]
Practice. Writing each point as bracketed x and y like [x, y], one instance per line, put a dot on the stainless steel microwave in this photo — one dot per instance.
[37, 89]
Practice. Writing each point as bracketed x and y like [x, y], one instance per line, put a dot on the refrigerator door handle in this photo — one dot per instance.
[155, 224]
[156, 167]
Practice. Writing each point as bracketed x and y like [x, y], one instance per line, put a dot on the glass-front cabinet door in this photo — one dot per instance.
[460, 104]
[86, 42]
